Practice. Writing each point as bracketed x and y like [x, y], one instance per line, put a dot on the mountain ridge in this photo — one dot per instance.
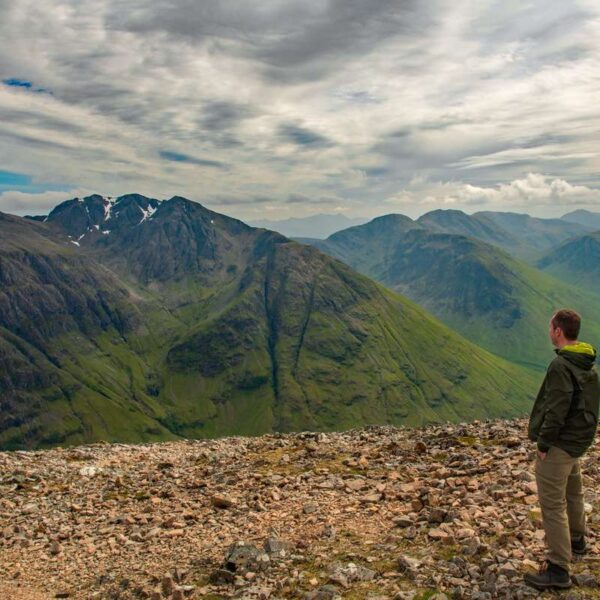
[240, 330]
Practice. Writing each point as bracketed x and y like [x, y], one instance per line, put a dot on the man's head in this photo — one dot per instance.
[564, 327]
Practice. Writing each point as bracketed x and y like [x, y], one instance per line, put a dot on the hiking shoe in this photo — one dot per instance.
[550, 576]
[578, 546]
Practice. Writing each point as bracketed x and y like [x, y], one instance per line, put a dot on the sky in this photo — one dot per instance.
[286, 108]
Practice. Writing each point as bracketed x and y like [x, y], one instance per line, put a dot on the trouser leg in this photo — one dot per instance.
[575, 508]
[552, 475]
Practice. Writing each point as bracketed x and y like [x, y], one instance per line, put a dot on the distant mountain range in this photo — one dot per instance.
[583, 217]
[522, 236]
[314, 226]
[577, 261]
[133, 319]
[475, 287]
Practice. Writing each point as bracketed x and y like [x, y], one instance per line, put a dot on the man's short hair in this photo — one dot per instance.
[569, 321]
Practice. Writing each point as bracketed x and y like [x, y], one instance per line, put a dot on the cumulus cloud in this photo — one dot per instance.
[535, 193]
[232, 103]
[534, 190]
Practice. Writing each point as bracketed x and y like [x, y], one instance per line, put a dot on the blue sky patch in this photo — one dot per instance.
[9, 178]
[20, 182]
[17, 83]
[23, 83]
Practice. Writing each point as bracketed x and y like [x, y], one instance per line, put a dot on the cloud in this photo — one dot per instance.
[303, 137]
[534, 190]
[535, 194]
[257, 201]
[185, 158]
[307, 201]
[301, 98]
[22, 203]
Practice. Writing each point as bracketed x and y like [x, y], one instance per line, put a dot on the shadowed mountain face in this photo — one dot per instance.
[488, 296]
[53, 304]
[576, 261]
[186, 322]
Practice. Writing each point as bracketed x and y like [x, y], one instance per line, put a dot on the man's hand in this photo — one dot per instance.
[542, 455]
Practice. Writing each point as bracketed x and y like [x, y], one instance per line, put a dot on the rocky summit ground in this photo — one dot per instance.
[381, 512]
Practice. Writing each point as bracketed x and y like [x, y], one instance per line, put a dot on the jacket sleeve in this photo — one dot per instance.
[559, 394]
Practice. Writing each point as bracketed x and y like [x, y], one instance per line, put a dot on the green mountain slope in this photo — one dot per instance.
[576, 261]
[194, 324]
[500, 303]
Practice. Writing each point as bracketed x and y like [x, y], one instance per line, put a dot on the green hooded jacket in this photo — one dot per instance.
[565, 412]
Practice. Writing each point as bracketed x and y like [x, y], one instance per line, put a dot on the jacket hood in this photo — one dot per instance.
[580, 354]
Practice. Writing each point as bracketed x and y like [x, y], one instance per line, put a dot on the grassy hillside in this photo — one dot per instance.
[247, 334]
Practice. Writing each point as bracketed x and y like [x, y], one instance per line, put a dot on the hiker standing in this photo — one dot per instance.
[563, 423]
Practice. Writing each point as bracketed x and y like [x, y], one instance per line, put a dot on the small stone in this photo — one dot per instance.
[166, 585]
[309, 508]
[355, 484]
[278, 547]
[325, 592]
[219, 501]
[420, 447]
[437, 534]
[370, 498]
[403, 521]
[409, 565]
[437, 515]
[89, 471]
[585, 580]
[55, 547]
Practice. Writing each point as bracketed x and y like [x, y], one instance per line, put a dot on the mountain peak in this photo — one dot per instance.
[85, 220]
[392, 224]
[586, 218]
[444, 214]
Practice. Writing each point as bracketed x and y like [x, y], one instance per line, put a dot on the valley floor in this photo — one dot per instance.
[381, 513]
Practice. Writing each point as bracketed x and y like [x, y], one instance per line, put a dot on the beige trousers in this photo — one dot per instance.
[560, 492]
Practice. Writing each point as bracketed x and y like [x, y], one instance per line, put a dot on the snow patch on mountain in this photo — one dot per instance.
[109, 202]
[147, 213]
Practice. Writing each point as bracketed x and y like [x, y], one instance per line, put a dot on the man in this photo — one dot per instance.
[563, 423]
